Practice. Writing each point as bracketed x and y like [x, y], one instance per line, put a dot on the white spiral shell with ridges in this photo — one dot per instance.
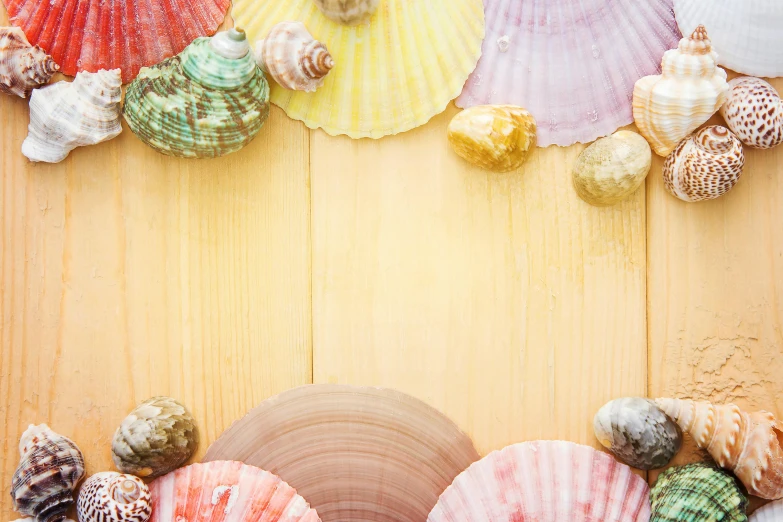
[22, 66]
[293, 58]
[114, 497]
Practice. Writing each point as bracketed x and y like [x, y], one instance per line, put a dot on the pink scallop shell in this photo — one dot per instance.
[545, 481]
[571, 63]
[226, 491]
[89, 35]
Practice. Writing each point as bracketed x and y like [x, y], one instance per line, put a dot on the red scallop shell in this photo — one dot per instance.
[89, 35]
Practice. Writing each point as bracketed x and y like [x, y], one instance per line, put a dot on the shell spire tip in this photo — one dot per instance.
[700, 33]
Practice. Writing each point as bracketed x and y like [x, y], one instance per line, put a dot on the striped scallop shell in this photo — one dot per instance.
[113, 497]
[224, 491]
[754, 112]
[293, 58]
[772, 512]
[545, 481]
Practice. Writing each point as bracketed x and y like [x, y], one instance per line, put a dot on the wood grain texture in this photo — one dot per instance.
[125, 273]
[503, 300]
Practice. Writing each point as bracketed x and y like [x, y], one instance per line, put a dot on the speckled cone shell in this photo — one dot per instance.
[208, 101]
[348, 11]
[50, 468]
[155, 438]
[772, 512]
[637, 432]
[697, 493]
[754, 113]
[545, 481]
[494, 137]
[293, 58]
[226, 492]
[114, 497]
[65, 115]
[356, 454]
[745, 33]
[746, 443]
[22, 66]
[611, 169]
[392, 74]
[670, 106]
[705, 165]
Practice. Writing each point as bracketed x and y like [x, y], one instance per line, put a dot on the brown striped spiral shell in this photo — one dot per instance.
[114, 497]
[49, 469]
[22, 66]
[754, 112]
[293, 58]
[705, 165]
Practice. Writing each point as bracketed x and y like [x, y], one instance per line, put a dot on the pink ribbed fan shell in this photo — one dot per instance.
[571, 63]
[226, 491]
[545, 481]
[89, 35]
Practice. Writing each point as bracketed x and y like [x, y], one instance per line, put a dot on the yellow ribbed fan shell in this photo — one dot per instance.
[391, 74]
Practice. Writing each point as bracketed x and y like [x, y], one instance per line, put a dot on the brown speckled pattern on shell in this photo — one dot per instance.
[23, 67]
[753, 112]
[114, 497]
[705, 165]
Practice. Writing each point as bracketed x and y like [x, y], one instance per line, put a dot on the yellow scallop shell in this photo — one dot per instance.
[391, 74]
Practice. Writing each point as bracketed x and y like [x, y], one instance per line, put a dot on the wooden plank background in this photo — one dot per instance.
[503, 300]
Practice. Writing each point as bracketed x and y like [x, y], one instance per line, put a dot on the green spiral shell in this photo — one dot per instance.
[697, 493]
[202, 103]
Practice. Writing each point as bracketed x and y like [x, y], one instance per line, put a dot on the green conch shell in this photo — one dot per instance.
[208, 101]
[697, 493]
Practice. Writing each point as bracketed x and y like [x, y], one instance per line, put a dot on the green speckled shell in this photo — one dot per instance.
[697, 493]
[198, 104]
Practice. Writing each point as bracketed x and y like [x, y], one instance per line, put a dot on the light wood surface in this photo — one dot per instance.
[503, 300]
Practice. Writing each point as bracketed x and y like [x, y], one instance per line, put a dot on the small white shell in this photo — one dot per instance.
[293, 58]
[113, 497]
[753, 111]
[22, 66]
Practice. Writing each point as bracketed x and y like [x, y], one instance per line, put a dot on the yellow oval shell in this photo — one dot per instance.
[494, 137]
[612, 168]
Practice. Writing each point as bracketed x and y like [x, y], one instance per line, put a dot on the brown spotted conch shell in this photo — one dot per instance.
[113, 497]
[747, 444]
[293, 58]
[754, 112]
[348, 12]
[22, 66]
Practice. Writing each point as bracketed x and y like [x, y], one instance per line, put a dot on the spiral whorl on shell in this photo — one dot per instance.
[705, 165]
[22, 66]
[49, 469]
[114, 497]
[749, 444]
[348, 12]
[65, 115]
[293, 58]
[208, 101]
[754, 112]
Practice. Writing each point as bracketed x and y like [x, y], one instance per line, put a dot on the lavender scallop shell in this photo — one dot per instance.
[772, 512]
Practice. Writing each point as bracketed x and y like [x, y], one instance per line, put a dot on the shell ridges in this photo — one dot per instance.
[23, 67]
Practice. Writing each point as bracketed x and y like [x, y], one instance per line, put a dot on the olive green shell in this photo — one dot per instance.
[155, 438]
[697, 493]
[200, 103]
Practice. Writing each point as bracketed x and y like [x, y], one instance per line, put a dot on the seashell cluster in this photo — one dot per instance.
[705, 165]
[155, 438]
[349, 12]
[293, 58]
[114, 497]
[772, 512]
[748, 444]
[697, 493]
[208, 101]
[22, 66]
[612, 168]
[670, 106]
[50, 468]
[637, 432]
[545, 481]
[754, 113]
[494, 137]
[65, 115]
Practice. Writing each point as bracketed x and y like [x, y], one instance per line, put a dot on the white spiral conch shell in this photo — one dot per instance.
[22, 66]
[754, 112]
[293, 58]
[348, 12]
[65, 115]
[749, 444]
[113, 497]
[670, 106]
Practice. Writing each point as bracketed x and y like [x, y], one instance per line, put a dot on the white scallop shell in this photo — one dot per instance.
[772, 512]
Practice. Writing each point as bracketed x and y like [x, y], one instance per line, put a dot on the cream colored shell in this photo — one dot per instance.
[348, 11]
[293, 58]
[754, 112]
[612, 168]
[670, 106]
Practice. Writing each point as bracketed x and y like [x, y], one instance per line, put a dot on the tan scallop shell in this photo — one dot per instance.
[22, 66]
[113, 497]
[293, 58]
[749, 444]
[754, 112]
[705, 165]
[612, 168]
[348, 11]
[670, 106]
